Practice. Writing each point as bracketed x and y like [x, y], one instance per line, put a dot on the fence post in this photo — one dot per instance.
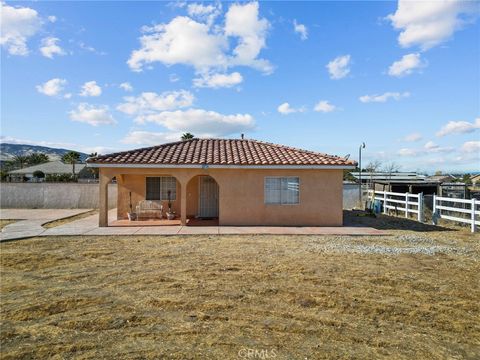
[434, 210]
[406, 204]
[420, 207]
[473, 214]
[384, 202]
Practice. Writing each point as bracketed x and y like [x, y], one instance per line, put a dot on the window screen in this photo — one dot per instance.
[282, 190]
[157, 188]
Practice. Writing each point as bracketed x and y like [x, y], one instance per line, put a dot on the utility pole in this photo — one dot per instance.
[360, 172]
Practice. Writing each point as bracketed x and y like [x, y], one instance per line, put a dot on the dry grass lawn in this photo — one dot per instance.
[215, 297]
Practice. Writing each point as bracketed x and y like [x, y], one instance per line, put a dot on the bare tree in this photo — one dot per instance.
[390, 168]
[373, 166]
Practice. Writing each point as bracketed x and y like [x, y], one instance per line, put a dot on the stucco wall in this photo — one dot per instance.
[53, 195]
[242, 194]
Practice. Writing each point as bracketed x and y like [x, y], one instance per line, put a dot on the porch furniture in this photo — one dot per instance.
[149, 209]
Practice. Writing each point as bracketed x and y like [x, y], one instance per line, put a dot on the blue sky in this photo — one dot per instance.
[403, 77]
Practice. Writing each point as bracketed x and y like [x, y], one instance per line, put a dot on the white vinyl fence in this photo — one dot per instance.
[466, 210]
[405, 202]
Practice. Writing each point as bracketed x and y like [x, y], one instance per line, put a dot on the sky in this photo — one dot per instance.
[403, 77]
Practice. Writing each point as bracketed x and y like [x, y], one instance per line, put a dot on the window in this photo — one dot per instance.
[158, 187]
[282, 190]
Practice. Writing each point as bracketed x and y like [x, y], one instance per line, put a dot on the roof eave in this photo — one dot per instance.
[207, 166]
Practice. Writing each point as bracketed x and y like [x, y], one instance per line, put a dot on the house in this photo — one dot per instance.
[239, 182]
[475, 179]
[49, 168]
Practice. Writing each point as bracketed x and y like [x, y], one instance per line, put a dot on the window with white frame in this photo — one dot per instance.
[158, 187]
[282, 190]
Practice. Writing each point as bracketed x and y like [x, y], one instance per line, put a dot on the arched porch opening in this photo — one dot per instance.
[202, 200]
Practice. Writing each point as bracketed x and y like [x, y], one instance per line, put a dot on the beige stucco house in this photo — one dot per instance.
[239, 181]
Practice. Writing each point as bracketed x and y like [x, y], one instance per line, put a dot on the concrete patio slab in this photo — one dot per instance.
[89, 226]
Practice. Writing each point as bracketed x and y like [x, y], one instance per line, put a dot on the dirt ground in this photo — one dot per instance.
[409, 295]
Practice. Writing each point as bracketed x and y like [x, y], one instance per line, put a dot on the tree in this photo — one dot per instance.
[72, 157]
[391, 168]
[20, 161]
[373, 166]
[38, 158]
[93, 171]
[187, 136]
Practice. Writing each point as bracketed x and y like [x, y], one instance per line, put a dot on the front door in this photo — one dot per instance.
[208, 204]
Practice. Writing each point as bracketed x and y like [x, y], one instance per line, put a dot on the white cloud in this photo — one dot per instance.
[49, 47]
[301, 30]
[218, 80]
[92, 115]
[150, 103]
[201, 122]
[383, 97]
[429, 23]
[52, 87]
[52, 18]
[18, 24]
[407, 152]
[207, 13]
[431, 147]
[126, 86]
[286, 109]
[203, 45]
[413, 137]
[406, 65]
[173, 78]
[147, 138]
[90, 88]
[471, 147]
[324, 106]
[459, 127]
[339, 67]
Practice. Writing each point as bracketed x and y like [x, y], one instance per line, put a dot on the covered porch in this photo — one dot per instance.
[191, 196]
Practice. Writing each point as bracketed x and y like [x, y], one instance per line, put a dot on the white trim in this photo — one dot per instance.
[204, 166]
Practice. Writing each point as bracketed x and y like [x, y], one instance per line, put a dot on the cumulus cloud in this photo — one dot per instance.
[429, 23]
[90, 88]
[384, 97]
[459, 127]
[324, 106]
[49, 47]
[339, 67]
[207, 13]
[92, 115]
[413, 137]
[471, 147]
[286, 109]
[149, 103]
[201, 122]
[18, 24]
[52, 87]
[407, 152]
[301, 30]
[218, 80]
[148, 138]
[203, 45]
[126, 86]
[406, 65]
[52, 18]
[431, 147]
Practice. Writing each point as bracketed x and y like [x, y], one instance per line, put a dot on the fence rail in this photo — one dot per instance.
[471, 210]
[412, 203]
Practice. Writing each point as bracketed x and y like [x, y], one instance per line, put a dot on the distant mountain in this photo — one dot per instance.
[8, 151]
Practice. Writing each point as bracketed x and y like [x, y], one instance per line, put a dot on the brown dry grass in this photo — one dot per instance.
[68, 219]
[189, 297]
[5, 222]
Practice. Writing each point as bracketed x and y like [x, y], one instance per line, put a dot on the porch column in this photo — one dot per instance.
[103, 201]
[183, 201]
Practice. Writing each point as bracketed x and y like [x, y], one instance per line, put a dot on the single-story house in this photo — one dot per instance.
[56, 167]
[237, 181]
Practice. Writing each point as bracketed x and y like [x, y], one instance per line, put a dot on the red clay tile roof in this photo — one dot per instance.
[220, 152]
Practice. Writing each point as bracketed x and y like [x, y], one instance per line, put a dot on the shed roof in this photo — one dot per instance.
[222, 152]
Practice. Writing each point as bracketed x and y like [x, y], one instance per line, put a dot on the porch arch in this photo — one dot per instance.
[203, 197]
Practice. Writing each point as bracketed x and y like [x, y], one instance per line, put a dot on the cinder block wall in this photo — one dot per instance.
[54, 195]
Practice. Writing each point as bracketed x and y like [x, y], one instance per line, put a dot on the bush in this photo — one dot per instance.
[38, 174]
[59, 178]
